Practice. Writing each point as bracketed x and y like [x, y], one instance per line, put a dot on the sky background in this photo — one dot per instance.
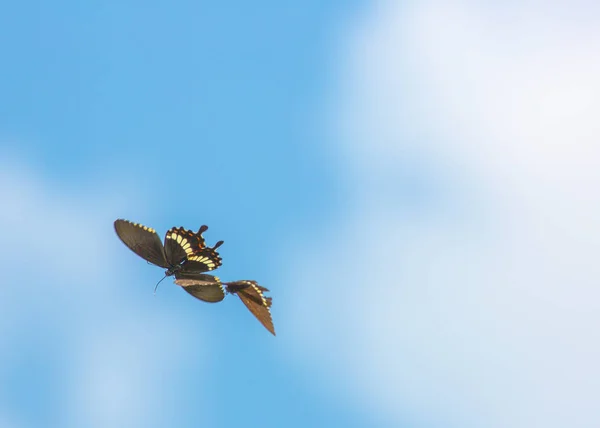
[415, 182]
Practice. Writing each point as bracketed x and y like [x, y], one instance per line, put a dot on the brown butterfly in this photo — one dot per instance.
[209, 288]
[183, 250]
[252, 295]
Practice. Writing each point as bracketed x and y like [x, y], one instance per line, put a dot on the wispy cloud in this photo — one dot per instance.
[81, 348]
[460, 287]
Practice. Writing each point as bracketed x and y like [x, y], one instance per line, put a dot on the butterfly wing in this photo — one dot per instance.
[179, 244]
[252, 295]
[142, 240]
[207, 288]
[203, 260]
[201, 241]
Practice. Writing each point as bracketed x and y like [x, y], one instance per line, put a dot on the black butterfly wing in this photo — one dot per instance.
[203, 260]
[201, 241]
[252, 295]
[207, 288]
[179, 244]
[142, 240]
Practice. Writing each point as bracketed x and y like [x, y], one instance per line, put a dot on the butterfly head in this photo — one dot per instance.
[173, 270]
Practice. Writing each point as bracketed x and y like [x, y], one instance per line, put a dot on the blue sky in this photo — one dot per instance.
[415, 182]
[183, 113]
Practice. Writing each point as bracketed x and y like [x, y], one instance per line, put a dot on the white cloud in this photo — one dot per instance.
[474, 302]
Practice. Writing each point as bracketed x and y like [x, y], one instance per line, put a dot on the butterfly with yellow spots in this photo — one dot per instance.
[209, 288]
[183, 250]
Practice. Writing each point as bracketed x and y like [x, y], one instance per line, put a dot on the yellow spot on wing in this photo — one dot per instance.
[146, 228]
[261, 295]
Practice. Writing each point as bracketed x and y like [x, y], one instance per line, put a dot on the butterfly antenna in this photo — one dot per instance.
[159, 283]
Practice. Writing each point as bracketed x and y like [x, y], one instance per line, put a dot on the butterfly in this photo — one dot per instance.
[210, 289]
[252, 295]
[183, 250]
